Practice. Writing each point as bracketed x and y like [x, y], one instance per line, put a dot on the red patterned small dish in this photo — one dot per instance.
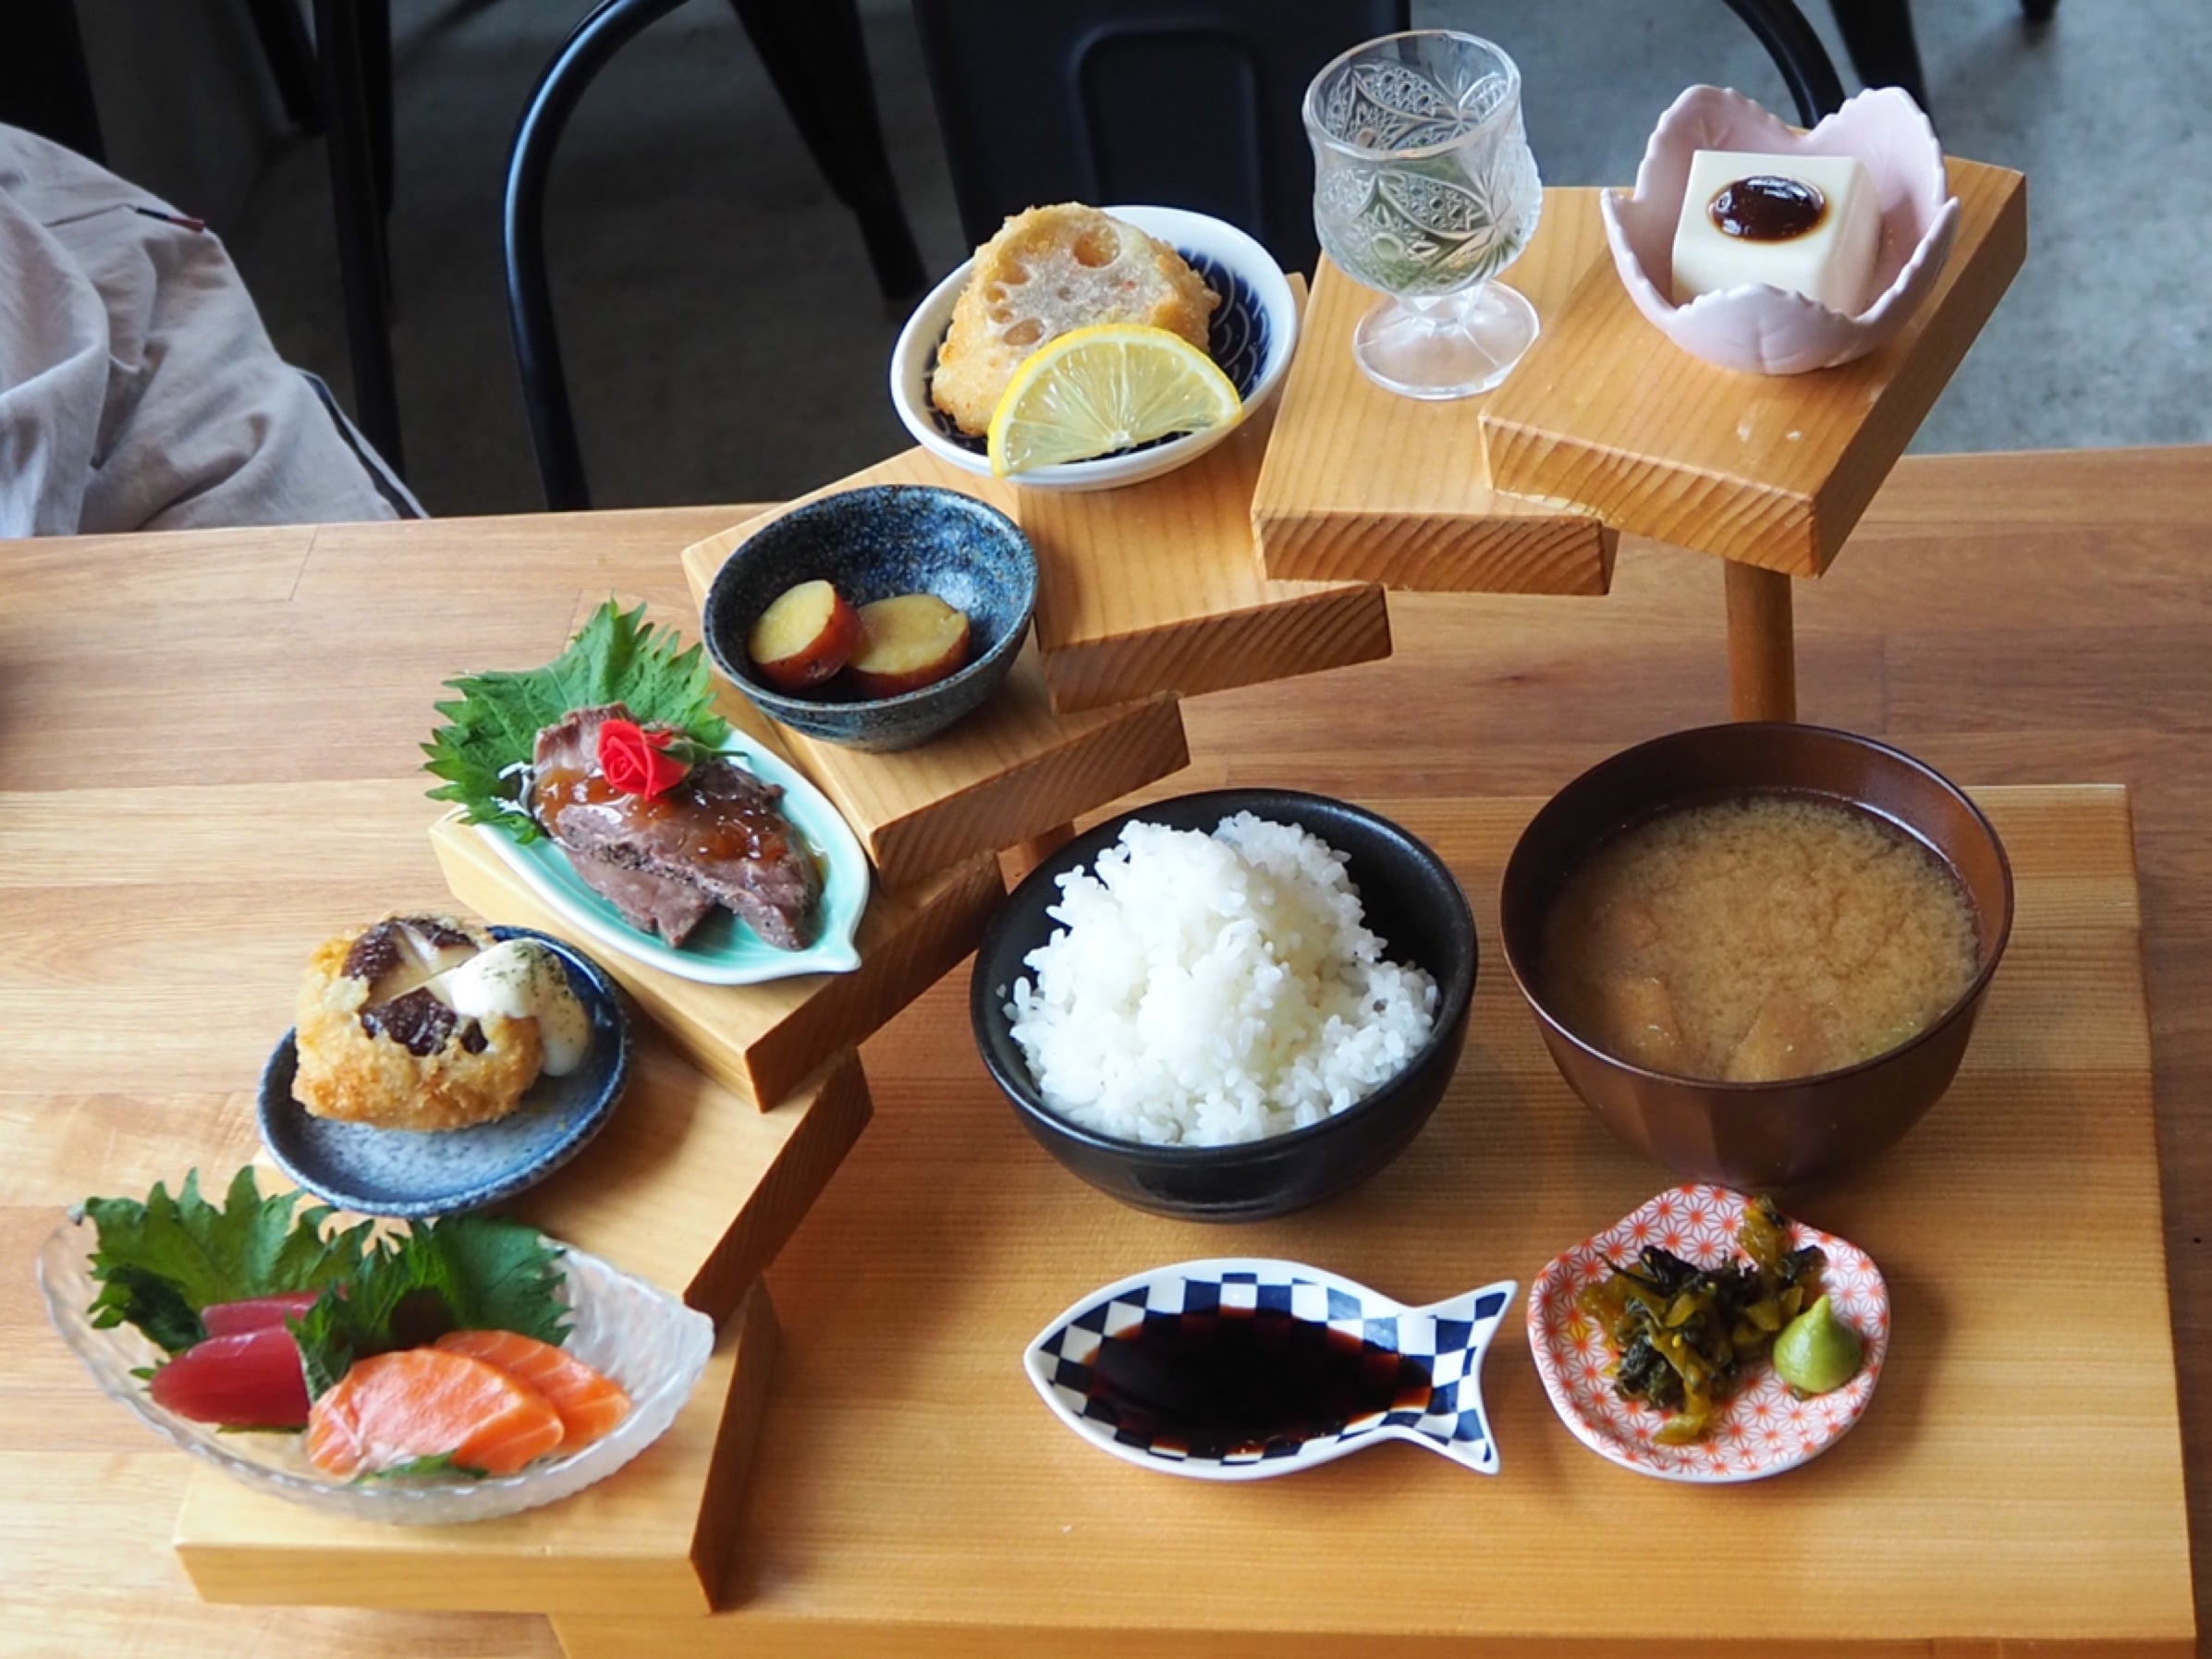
[1762, 1431]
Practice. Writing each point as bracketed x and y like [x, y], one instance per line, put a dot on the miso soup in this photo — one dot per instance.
[1762, 937]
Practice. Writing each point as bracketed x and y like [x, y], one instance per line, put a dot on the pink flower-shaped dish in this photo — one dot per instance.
[1763, 1430]
[1763, 330]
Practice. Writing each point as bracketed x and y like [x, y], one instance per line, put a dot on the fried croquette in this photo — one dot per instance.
[378, 1046]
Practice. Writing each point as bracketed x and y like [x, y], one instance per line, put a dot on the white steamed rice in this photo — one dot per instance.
[1209, 989]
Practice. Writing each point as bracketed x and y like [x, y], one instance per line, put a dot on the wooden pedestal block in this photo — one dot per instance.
[1158, 586]
[1362, 485]
[1152, 588]
[690, 1186]
[1011, 770]
[1772, 471]
[654, 1538]
[764, 1041]
[1980, 1508]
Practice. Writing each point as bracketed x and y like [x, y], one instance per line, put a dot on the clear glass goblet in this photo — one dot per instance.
[1425, 189]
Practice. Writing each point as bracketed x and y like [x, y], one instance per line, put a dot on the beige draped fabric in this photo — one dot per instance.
[138, 388]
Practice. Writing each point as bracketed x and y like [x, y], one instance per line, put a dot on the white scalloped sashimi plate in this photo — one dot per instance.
[1453, 1335]
[628, 1330]
[1762, 1430]
[724, 951]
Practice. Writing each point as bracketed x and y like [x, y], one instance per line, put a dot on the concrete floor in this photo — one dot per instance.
[725, 341]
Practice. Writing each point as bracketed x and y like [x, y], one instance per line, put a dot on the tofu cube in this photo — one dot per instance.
[1807, 224]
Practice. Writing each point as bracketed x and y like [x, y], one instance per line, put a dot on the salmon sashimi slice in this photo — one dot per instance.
[421, 1402]
[589, 1404]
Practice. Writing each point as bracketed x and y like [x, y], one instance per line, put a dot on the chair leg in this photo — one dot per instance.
[290, 53]
[604, 31]
[360, 224]
[1878, 36]
[375, 32]
[814, 55]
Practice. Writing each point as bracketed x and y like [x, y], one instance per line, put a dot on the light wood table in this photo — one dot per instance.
[207, 749]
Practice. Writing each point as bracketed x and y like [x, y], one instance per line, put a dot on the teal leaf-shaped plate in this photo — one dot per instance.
[724, 951]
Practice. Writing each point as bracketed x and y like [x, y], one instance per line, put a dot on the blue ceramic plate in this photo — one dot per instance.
[411, 1174]
[724, 951]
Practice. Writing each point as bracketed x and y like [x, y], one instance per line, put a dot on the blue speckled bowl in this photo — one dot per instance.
[873, 544]
[411, 1174]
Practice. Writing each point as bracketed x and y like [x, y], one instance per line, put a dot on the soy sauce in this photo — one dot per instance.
[1239, 1381]
[1767, 208]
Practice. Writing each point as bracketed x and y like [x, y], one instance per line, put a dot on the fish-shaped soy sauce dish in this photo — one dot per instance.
[1240, 1368]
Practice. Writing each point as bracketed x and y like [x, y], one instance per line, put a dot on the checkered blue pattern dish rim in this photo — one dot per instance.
[1236, 339]
[1453, 1335]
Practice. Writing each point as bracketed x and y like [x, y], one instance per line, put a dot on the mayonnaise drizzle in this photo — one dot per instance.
[519, 979]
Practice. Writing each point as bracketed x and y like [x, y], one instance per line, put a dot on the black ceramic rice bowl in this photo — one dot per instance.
[1409, 898]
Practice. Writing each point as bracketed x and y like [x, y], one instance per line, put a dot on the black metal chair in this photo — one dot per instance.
[813, 53]
[1878, 36]
[1187, 102]
[1190, 102]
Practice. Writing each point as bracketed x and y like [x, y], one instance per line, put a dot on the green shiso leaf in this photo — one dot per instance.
[462, 1273]
[159, 1262]
[483, 750]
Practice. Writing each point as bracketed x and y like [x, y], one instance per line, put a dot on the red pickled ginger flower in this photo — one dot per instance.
[639, 760]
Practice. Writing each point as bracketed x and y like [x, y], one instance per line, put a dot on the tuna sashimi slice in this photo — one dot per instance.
[244, 1380]
[589, 1405]
[424, 1402]
[227, 1319]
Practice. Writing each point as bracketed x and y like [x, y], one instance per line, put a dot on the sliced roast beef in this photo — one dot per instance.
[717, 833]
[651, 903]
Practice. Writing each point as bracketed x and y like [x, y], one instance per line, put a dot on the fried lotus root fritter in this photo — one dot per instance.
[1048, 271]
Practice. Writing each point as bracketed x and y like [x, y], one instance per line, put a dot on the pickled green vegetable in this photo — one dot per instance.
[1683, 1335]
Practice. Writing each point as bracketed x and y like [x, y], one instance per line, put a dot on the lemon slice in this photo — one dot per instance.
[1095, 390]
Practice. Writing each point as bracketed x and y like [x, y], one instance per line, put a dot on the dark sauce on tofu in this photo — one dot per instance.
[1767, 208]
[1237, 1380]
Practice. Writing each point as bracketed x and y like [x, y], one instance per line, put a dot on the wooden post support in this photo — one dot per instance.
[1762, 646]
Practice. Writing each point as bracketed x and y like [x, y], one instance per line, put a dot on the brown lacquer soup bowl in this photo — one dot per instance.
[1768, 1134]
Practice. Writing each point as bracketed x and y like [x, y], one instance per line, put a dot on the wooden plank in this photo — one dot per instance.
[1152, 588]
[1772, 471]
[1158, 586]
[654, 1536]
[155, 943]
[1362, 484]
[760, 1040]
[1009, 771]
[691, 1188]
[1977, 1503]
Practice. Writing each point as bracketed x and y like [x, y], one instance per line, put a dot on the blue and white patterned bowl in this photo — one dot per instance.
[1252, 333]
[1446, 1339]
